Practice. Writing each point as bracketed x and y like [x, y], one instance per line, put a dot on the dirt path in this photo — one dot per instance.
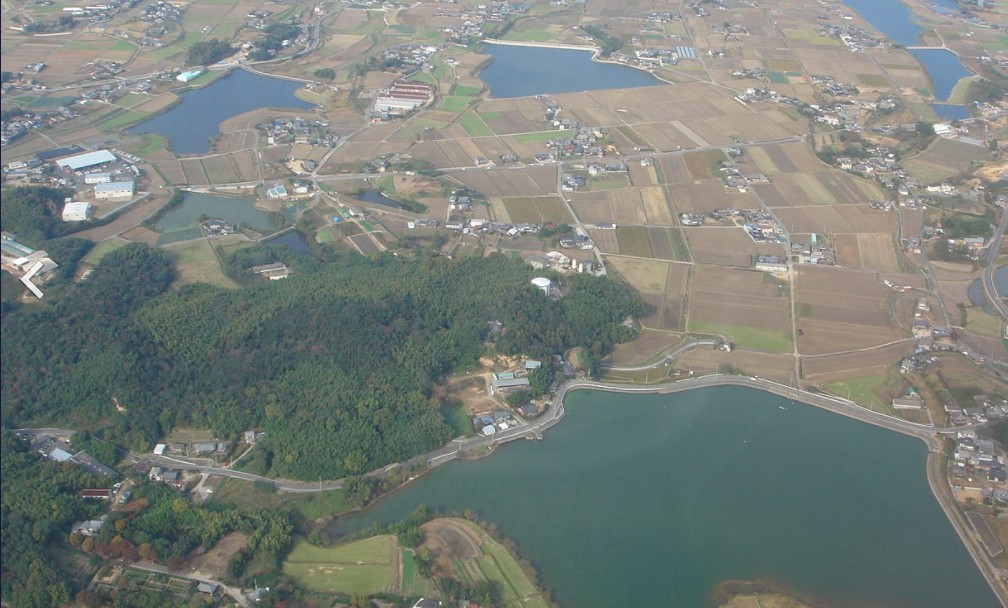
[130, 219]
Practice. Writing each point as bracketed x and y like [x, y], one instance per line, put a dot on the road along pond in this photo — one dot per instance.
[656, 499]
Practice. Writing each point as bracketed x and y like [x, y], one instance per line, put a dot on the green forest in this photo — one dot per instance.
[336, 363]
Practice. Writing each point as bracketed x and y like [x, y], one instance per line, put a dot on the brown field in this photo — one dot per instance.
[726, 246]
[943, 159]
[642, 176]
[215, 561]
[648, 346]
[876, 361]
[729, 296]
[627, 207]
[530, 181]
[773, 366]
[536, 210]
[656, 209]
[707, 196]
[878, 252]
[605, 240]
[846, 248]
[660, 284]
[673, 170]
[840, 309]
[825, 219]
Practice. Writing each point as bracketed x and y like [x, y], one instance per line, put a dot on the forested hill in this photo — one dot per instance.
[336, 362]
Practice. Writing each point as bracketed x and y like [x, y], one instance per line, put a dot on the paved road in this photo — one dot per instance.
[988, 274]
[668, 358]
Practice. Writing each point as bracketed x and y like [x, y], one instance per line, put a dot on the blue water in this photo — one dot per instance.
[652, 500]
[950, 111]
[294, 240]
[192, 123]
[521, 71]
[944, 67]
[894, 19]
[891, 17]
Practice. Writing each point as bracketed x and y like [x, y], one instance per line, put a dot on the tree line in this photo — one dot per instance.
[335, 363]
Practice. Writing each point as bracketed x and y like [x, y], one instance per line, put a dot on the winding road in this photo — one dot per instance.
[990, 290]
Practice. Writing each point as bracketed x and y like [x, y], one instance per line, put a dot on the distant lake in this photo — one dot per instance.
[521, 71]
[652, 500]
[195, 120]
[894, 19]
[944, 67]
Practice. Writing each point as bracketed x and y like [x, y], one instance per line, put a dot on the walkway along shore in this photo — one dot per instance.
[467, 447]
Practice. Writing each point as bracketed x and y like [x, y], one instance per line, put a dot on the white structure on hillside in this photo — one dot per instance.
[544, 284]
[76, 212]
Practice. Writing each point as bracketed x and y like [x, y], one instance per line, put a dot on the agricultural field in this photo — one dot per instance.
[196, 262]
[537, 210]
[840, 309]
[747, 307]
[361, 567]
[943, 159]
[462, 549]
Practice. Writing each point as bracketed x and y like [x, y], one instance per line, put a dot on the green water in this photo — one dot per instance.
[650, 500]
[233, 210]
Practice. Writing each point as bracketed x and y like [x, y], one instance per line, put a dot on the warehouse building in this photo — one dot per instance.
[76, 212]
[88, 159]
[115, 190]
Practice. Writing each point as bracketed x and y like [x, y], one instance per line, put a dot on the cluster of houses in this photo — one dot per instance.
[814, 252]
[974, 457]
[982, 409]
[412, 55]
[759, 224]
[299, 131]
[854, 38]
[584, 142]
[733, 179]
[18, 124]
[470, 21]
[501, 420]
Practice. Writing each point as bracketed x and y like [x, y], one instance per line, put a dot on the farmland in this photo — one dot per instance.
[364, 566]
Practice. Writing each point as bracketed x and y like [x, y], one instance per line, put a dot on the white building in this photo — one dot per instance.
[89, 159]
[76, 212]
[114, 190]
[97, 178]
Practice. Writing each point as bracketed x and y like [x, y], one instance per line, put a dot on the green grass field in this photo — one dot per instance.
[454, 103]
[464, 91]
[123, 119]
[526, 138]
[862, 391]
[755, 338]
[153, 143]
[634, 241]
[474, 125]
[196, 262]
[363, 566]
[104, 248]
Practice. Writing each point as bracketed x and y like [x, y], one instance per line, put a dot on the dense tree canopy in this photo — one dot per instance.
[39, 501]
[209, 51]
[336, 362]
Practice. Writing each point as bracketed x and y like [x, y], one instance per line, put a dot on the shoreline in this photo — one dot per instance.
[595, 50]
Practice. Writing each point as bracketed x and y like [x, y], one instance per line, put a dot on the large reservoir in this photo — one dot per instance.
[192, 123]
[521, 71]
[652, 500]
